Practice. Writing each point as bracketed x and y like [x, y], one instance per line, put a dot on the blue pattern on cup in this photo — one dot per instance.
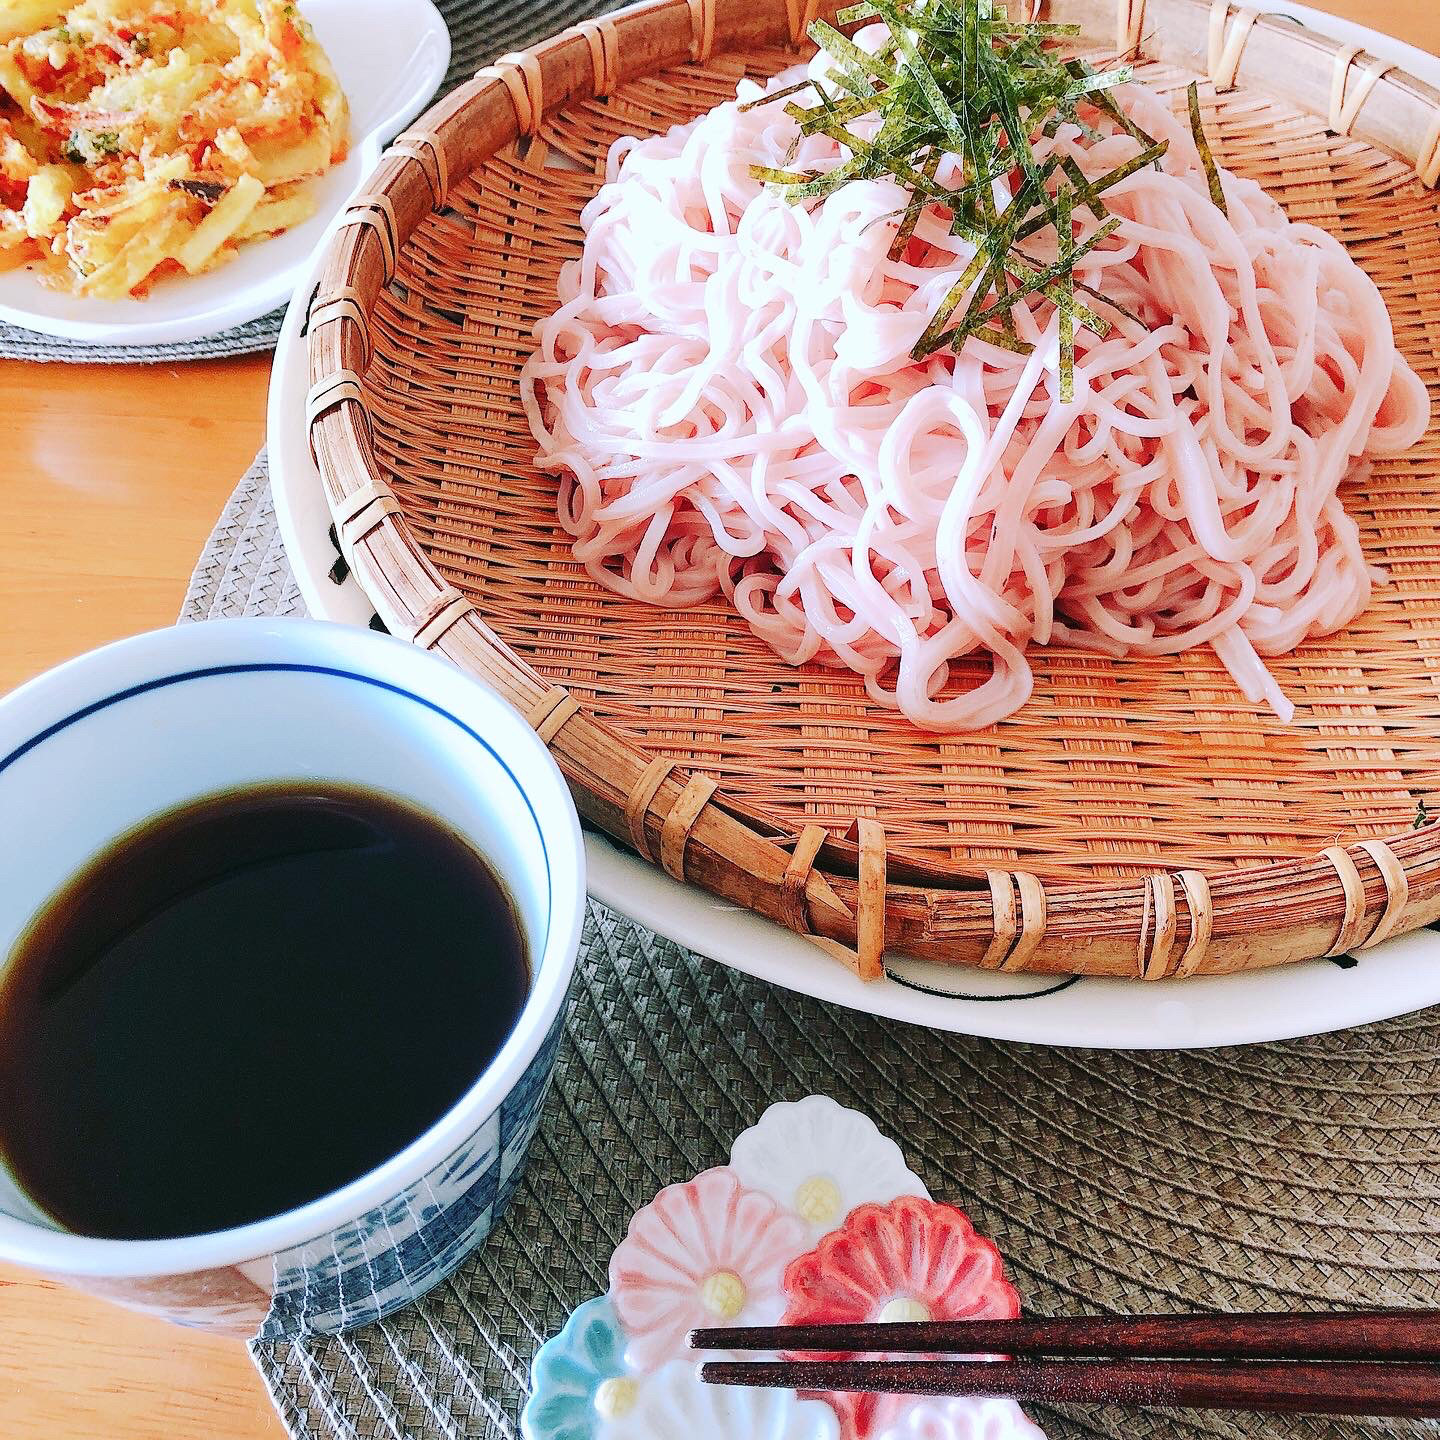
[399, 1250]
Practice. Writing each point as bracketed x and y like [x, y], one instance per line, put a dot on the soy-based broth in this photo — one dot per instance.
[247, 1003]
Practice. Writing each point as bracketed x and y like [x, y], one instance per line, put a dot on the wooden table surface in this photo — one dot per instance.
[110, 482]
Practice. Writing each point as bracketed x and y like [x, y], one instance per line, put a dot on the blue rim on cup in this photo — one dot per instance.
[102, 743]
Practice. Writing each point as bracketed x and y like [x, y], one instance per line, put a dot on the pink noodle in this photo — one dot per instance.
[728, 394]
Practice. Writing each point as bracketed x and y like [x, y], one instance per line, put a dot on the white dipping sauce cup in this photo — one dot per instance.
[102, 744]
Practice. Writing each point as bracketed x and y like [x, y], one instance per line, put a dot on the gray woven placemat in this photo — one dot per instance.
[479, 31]
[1273, 1177]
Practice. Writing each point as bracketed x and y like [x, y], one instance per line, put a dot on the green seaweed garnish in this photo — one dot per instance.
[916, 204]
[784, 94]
[960, 77]
[1212, 171]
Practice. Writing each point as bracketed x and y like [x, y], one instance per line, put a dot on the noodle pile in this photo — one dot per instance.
[728, 392]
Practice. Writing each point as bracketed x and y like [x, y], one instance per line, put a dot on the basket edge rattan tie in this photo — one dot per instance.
[847, 894]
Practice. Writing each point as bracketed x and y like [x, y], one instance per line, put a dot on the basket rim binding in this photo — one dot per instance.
[846, 894]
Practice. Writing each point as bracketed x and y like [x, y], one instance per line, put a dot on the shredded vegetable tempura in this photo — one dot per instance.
[146, 137]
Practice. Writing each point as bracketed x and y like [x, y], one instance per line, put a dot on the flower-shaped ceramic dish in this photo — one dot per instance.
[390, 56]
[710, 1252]
[677, 1404]
[817, 1215]
[820, 1160]
[579, 1379]
[909, 1260]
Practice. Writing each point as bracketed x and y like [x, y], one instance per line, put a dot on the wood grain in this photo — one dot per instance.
[1276, 1387]
[109, 483]
[1334, 1335]
[1417, 22]
[73, 1367]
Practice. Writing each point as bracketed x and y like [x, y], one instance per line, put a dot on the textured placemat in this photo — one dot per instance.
[1273, 1177]
[479, 31]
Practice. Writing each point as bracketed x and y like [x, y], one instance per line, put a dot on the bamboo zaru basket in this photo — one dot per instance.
[1136, 818]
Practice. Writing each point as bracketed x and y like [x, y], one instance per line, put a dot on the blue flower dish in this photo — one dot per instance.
[569, 1371]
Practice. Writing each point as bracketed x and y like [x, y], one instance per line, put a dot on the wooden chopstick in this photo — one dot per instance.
[1350, 1335]
[1279, 1387]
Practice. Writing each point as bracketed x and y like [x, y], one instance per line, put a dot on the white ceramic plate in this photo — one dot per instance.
[390, 56]
[1305, 999]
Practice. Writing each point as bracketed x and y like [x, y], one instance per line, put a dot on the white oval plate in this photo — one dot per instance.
[390, 56]
[1305, 999]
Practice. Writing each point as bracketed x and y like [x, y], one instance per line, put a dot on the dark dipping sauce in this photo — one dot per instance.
[247, 1003]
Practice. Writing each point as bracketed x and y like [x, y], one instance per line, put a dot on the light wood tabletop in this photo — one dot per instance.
[110, 481]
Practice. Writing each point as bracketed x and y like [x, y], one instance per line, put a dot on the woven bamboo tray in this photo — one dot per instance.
[1136, 818]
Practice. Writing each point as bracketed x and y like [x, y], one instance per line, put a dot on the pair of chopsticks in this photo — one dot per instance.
[1382, 1362]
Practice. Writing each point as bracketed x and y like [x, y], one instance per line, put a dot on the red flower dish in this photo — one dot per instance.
[912, 1259]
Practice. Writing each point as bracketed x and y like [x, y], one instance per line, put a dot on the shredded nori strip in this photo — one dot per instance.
[917, 203]
[778, 95]
[1063, 228]
[1212, 171]
[960, 77]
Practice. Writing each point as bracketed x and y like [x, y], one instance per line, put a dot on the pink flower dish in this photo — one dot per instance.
[913, 1259]
[734, 1246]
[708, 1252]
